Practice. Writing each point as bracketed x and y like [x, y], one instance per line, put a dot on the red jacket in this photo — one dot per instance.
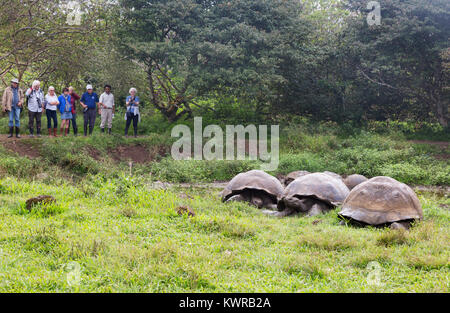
[73, 99]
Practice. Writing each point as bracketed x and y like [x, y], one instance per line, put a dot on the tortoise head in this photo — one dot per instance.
[296, 204]
[257, 201]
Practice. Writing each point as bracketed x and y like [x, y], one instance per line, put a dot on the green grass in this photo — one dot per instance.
[127, 237]
[112, 232]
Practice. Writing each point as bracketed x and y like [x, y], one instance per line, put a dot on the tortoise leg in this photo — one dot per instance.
[269, 212]
[315, 210]
[271, 206]
[400, 225]
[239, 198]
[284, 213]
[318, 208]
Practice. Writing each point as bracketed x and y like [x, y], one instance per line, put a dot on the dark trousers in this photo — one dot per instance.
[51, 115]
[132, 118]
[73, 121]
[89, 119]
[34, 116]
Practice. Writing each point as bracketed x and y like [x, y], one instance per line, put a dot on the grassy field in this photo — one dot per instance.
[113, 230]
[124, 236]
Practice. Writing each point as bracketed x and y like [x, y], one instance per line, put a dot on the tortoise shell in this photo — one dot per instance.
[320, 186]
[354, 180]
[382, 200]
[255, 179]
[294, 175]
[333, 174]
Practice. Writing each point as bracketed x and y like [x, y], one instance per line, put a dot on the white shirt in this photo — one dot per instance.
[33, 95]
[50, 99]
[107, 100]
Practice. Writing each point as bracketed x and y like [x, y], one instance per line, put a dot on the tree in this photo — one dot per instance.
[195, 48]
[403, 57]
[36, 37]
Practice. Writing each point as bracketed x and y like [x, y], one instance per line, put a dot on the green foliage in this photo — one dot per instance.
[388, 59]
[191, 49]
[304, 145]
[36, 47]
[199, 171]
[411, 173]
[411, 129]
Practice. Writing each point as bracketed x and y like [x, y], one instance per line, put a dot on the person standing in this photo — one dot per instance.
[12, 102]
[107, 109]
[35, 106]
[132, 114]
[73, 100]
[89, 101]
[51, 103]
[65, 107]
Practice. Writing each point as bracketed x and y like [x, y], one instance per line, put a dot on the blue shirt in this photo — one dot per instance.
[64, 106]
[131, 107]
[90, 100]
[15, 99]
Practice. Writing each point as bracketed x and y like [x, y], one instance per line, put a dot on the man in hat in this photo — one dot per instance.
[12, 102]
[89, 101]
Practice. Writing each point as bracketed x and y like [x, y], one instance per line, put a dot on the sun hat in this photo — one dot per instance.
[89, 87]
[15, 80]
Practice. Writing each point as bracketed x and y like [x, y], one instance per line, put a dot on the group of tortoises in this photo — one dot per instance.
[380, 201]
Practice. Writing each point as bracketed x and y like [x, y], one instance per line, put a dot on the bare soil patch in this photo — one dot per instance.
[137, 153]
[94, 153]
[22, 148]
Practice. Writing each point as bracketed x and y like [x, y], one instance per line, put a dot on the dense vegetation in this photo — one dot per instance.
[377, 150]
[349, 98]
[244, 58]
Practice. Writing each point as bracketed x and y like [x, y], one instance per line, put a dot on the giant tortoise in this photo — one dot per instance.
[333, 174]
[293, 176]
[382, 201]
[256, 187]
[354, 180]
[311, 194]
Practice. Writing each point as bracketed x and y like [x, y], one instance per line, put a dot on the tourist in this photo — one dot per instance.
[51, 103]
[132, 114]
[89, 101]
[35, 102]
[12, 102]
[73, 101]
[107, 109]
[65, 107]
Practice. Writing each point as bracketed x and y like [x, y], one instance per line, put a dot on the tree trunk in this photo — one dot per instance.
[442, 113]
[169, 110]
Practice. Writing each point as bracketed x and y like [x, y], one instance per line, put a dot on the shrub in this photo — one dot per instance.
[199, 171]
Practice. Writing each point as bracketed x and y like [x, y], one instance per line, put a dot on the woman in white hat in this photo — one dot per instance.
[12, 102]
